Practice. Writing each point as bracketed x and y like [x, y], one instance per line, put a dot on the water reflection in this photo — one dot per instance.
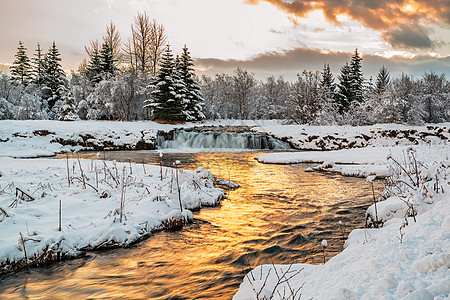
[279, 214]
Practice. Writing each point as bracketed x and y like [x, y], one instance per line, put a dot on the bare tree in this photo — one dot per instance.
[142, 39]
[113, 40]
[159, 39]
[92, 48]
[146, 44]
[128, 55]
[303, 100]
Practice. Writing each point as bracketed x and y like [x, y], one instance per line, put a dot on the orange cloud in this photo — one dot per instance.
[399, 21]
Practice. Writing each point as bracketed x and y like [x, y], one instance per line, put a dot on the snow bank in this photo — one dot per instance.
[45, 138]
[31, 191]
[305, 137]
[397, 261]
[362, 150]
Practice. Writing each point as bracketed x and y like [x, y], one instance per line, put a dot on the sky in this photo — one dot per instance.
[266, 37]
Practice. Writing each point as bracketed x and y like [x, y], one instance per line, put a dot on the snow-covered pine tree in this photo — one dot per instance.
[21, 67]
[327, 92]
[107, 61]
[193, 100]
[357, 79]
[54, 76]
[165, 102]
[180, 87]
[344, 96]
[38, 66]
[383, 81]
[327, 84]
[94, 67]
[68, 109]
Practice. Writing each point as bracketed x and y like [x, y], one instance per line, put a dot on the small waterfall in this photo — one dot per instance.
[220, 140]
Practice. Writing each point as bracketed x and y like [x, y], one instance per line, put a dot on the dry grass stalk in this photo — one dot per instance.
[4, 212]
[23, 245]
[59, 227]
[122, 195]
[21, 195]
[68, 170]
[82, 173]
[178, 184]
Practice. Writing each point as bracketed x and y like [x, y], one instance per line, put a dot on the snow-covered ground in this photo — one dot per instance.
[346, 137]
[393, 262]
[45, 138]
[90, 205]
[409, 257]
[93, 194]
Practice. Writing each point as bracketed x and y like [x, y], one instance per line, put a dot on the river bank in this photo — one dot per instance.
[48, 180]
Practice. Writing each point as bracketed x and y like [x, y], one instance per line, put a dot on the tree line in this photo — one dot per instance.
[318, 98]
[141, 79]
[134, 80]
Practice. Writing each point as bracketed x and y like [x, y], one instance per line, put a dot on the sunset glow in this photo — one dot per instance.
[235, 32]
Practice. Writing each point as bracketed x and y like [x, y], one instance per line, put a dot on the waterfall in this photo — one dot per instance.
[220, 140]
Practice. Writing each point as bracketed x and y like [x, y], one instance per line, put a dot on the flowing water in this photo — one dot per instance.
[280, 213]
[206, 139]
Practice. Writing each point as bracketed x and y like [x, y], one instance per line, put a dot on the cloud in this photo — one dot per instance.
[387, 16]
[406, 36]
[290, 62]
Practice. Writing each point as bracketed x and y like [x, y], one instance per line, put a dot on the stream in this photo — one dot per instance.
[280, 214]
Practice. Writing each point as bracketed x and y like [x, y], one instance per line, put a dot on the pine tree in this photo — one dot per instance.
[357, 79]
[193, 100]
[54, 76]
[165, 102]
[383, 81]
[38, 66]
[21, 68]
[102, 64]
[328, 95]
[344, 96]
[107, 61]
[180, 87]
[327, 85]
[94, 68]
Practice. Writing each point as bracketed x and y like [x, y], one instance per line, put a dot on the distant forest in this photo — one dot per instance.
[140, 79]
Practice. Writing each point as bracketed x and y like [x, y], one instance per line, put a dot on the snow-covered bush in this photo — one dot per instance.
[6, 109]
[411, 189]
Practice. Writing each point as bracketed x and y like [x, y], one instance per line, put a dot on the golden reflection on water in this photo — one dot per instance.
[279, 214]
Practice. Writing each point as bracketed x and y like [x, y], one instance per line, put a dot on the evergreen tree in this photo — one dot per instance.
[102, 64]
[165, 102]
[357, 79]
[21, 68]
[38, 66]
[54, 76]
[107, 61]
[383, 81]
[94, 68]
[344, 96]
[193, 100]
[327, 85]
[327, 91]
[180, 87]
